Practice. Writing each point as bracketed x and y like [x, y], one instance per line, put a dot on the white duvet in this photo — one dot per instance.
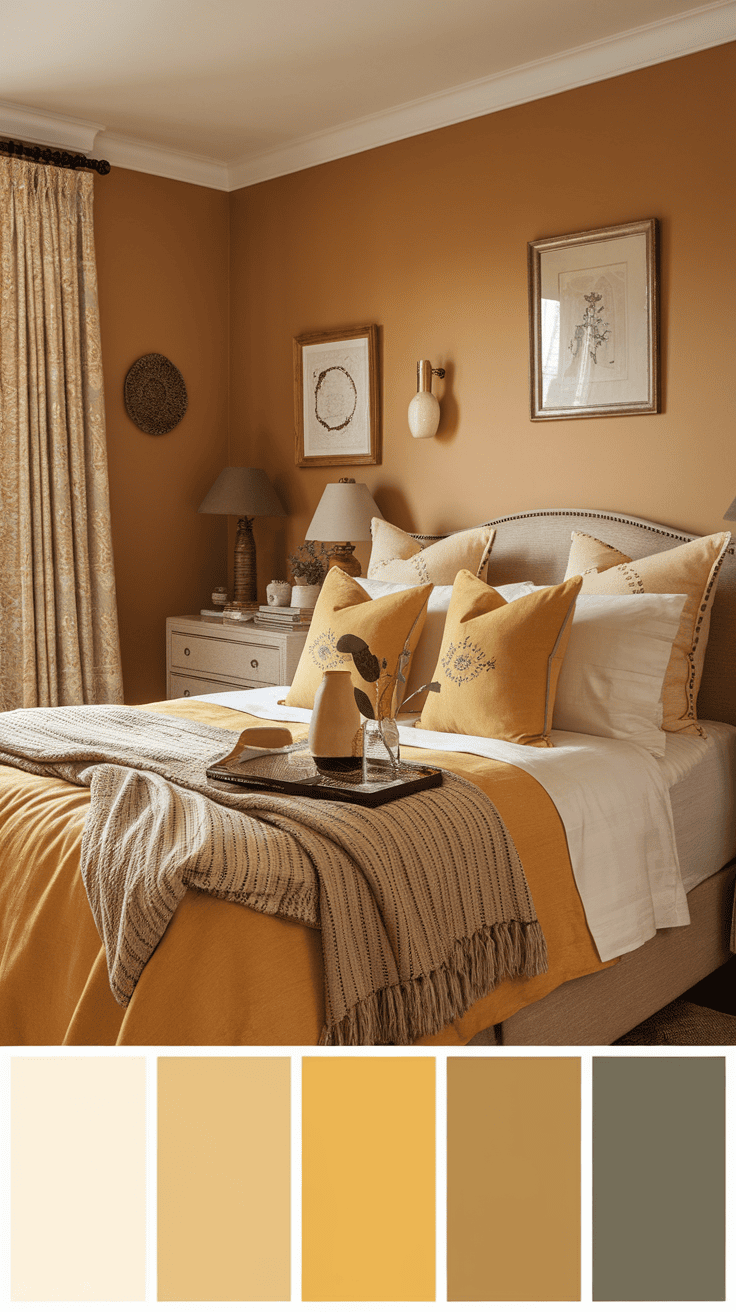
[613, 801]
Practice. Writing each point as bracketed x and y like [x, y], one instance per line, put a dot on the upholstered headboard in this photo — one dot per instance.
[535, 545]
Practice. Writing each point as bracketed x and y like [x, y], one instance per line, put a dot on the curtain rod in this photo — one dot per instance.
[61, 159]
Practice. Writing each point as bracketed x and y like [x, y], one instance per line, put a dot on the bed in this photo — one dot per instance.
[225, 974]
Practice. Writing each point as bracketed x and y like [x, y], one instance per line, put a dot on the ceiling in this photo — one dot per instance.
[230, 92]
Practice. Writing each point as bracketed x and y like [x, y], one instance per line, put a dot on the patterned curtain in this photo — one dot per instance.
[58, 618]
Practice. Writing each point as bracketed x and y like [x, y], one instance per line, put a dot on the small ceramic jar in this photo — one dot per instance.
[219, 596]
[278, 593]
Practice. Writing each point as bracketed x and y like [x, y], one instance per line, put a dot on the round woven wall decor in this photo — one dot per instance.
[155, 395]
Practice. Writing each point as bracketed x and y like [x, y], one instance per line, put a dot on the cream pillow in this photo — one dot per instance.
[611, 679]
[397, 557]
[500, 661]
[388, 625]
[691, 569]
[427, 649]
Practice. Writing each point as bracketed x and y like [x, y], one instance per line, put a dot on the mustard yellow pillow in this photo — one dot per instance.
[388, 625]
[500, 661]
[398, 558]
[691, 569]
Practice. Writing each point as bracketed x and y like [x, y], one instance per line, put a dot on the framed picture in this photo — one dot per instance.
[336, 397]
[594, 323]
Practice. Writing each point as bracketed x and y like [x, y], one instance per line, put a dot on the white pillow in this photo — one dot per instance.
[427, 651]
[611, 679]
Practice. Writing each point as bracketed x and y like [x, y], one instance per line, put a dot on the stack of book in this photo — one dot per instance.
[285, 619]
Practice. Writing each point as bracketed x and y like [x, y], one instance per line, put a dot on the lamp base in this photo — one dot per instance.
[342, 556]
[245, 593]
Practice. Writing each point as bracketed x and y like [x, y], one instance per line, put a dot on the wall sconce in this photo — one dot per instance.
[424, 408]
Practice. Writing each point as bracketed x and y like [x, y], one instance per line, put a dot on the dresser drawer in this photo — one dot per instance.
[245, 662]
[191, 685]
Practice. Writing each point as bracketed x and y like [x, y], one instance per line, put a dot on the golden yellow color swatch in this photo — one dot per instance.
[78, 1178]
[513, 1179]
[223, 1178]
[368, 1179]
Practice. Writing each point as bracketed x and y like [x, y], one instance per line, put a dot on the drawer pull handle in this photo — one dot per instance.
[187, 692]
[186, 651]
[254, 665]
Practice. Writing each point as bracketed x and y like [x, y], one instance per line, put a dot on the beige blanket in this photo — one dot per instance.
[423, 905]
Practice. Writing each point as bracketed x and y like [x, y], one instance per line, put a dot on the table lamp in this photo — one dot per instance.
[246, 493]
[345, 511]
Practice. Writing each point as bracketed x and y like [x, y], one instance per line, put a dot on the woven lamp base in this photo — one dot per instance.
[246, 592]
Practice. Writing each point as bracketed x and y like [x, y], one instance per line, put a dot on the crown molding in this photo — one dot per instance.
[642, 47]
[41, 129]
[655, 43]
[141, 157]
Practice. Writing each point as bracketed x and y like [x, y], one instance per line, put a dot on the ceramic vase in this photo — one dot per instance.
[278, 593]
[335, 738]
[305, 594]
[381, 753]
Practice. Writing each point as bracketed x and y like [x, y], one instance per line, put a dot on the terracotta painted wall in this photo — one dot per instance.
[427, 238]
[162, 261]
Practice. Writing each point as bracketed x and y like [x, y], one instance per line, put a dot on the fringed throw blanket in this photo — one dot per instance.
[423, 905]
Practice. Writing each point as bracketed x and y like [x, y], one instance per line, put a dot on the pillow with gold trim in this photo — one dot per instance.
[397, 557]
[389, 625]
[500, 661]
[692, 569]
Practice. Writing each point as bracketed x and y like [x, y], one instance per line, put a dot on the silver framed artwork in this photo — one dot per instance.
[336, 397]
[594, 322]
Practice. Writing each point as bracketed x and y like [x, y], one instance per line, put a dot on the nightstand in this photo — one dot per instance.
[205, 655]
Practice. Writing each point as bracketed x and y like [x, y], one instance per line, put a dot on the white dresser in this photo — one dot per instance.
[205, 655]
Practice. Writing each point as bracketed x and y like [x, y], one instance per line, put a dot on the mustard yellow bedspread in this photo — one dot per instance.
[223, 974]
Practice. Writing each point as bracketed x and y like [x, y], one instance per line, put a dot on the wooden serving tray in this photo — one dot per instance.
[293, 771]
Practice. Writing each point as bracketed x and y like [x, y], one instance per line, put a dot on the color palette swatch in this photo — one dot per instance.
[513, 1178]
[368, 1178]
[659, 1179]
[224, 1178]
[78, 1178]
[322, 1178]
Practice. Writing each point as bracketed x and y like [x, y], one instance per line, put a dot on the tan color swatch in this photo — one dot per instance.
[368, 1179]
[513, 1179]
[223, 1178]
[78, 1178]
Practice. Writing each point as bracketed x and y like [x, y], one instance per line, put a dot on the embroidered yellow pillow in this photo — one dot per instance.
[500, 661]
[397, 557]
[387, 625]
[691, 569]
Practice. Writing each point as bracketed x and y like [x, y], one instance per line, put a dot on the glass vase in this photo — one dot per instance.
[381, 753]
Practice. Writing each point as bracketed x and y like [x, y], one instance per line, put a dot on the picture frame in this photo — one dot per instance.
[336, 397]
[594, 322]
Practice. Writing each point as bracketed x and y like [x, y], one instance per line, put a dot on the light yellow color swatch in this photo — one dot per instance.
[78, 1178]
[368, 1179]
[224, 1139]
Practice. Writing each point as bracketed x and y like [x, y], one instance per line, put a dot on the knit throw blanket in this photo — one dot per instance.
[422, 903]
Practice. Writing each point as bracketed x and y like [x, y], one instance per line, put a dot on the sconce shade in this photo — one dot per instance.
[731, 512]
[345, 511]
[240, 491]
[424, 408]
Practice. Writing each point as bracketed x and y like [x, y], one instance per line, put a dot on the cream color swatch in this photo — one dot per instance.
[368, 1179]
[224, 1137]
[78, 1178]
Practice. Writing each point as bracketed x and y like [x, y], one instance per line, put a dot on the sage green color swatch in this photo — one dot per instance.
[659, 1179]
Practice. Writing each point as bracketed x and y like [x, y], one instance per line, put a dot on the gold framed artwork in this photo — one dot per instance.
[594, 322]
[336, 397]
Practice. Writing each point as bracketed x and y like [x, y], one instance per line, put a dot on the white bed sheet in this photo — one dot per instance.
[613, 801]
[701, 777]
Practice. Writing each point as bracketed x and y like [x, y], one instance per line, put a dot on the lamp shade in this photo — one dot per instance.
[240, 491]
[731, 512]
[345, 511]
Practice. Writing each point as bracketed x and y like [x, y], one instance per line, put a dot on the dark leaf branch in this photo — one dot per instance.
[375, 671]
